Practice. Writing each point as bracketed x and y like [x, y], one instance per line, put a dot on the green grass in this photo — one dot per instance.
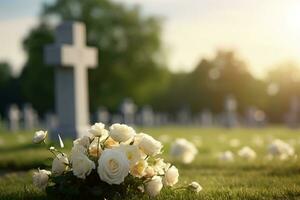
[258, 179]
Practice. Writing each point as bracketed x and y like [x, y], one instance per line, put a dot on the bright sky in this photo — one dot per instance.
[263, 32]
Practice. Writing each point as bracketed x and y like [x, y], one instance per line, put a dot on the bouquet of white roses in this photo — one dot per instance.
[107, 164]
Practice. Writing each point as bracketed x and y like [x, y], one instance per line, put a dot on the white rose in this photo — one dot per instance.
[98, 130]
[76, 151]
[149, 172]
[160, 166]
[148, 144]
[138, 170]
[40, 178]
[121, 132]
[59, 164]
[132, 152]
[195, 187]
[113, 166]
[83, 141]
[171, 176]
[82, 166]
[39, 136]
[183, 151]
[95, 149]
[154, 186]
[247, 153]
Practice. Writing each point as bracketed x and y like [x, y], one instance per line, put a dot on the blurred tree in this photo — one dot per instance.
[9, 87]
[131, 60]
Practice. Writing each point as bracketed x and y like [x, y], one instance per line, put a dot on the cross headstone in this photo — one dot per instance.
[14, 118]
[72, 58]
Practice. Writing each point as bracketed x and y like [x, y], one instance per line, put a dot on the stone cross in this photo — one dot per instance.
[71, 57]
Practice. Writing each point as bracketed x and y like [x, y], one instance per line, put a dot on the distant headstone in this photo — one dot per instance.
[103, 115]
[128, 109]
[255, 117]
[184, 116]
[72, 58]
[206, 118]
[30, 117]
[229, 117]
[51, 121]
[292, 117]
[14, 116]
[147, 116]
[116, 118]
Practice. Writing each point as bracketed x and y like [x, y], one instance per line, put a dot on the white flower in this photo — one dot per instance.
[40, 178]
[121, 132]
[195, 187]
[113, 166]
[148, 144]
[183, 151]
[83, 141]
[59, 164]
[132, 152]
[226, 156]
[247, 153]
[154, 186]
[160, 166]
[139, 169]
[39, 136]
[82, 166]
[171, 176]
[149, 172]
[281, 149]
[98, 130]
[95, 149]
[76, 151]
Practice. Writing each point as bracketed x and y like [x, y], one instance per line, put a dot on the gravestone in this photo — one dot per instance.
[184, 116]
[255, 117]
[51, 121]
[147, 116]
[128, 109]
[72, 59]
[292, 117]
[103, 115]
[14, 116]
[229, 117]
[206, 118]
[30, 117]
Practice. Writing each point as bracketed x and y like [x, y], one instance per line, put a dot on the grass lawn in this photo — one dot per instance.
[257, 179]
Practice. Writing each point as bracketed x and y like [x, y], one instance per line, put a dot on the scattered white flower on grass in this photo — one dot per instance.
[98, 130]
[258, 141]
[234, 142]
[39, 136]
[280, 149]
[183, 151]
[226, 156]
[121, 132]
[82, 166]
[171, 176]
[154, 186]
[247, 153]
[132, 152]
[113, 166]
[83, 141]
[195, 187]
[59, 164]
[40, 178]
[139, 169]
[148, 144]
